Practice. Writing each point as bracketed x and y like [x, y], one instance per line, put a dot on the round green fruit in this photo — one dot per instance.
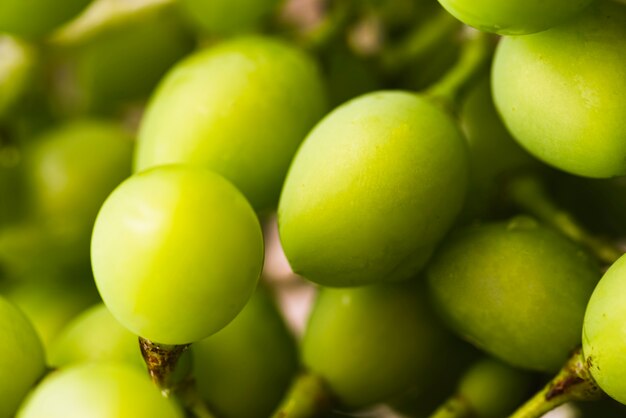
[372, 342]
[252, 358]
[240, 108]
[560, 92]
[22, 360]
[227, 17]
[516, 289]
[604, 335]
[94, 390]
[514, 17]
[176, 253]
[36, 18]
[95, 336]
[372, 190]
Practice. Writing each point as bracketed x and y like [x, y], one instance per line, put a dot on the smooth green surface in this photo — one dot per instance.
[514, 17]
[17, 61]
[604, 334]
[240, 108]
[95, 336]
[561, 92]
[36, 18]
[176, 253]
[253, 358]
[72, 168]
[371, 343]
[50, 301]
[106, 390]
[494, 389]
[372, 190]
[121, 63]
[228, 17]
[68, 172]
[22, 360]
[516, 289]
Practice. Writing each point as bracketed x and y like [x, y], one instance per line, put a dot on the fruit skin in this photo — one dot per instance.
[514, 17]
[559, 92]
[22, 360]
[81, 340]
[371, 191]
[98, 390]
[36, 18]
[228, 17]
[252, 358]
[18, 61]
[119, 64]
[603, 332]
[66, 174]
[176, 253]
[72, 168]
[516, 289]
[494, 389]
[240, 108]
[372, 342]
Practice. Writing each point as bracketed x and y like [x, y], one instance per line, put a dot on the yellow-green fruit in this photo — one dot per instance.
[372, 190]
[561, 92]
[515, 289]
[604, 334]
[22, 360]
[177, 252]
[252, 358]
[98, 390]
[372, 342]
[240, 108]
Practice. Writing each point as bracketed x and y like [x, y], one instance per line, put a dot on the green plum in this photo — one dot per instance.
[98, 390]
[516, 289]
[71, 169]
[514, 17]
[118, 62]
[17, 62]
[68, 172]
[22, 360]
[559, 92]
[95, 336]
[603, 332]
[51, 301]
[252, 358]
[176, 252]
[228, 17]
[36, 18]
[240, 108]
[371, 343]
[493, 389]
[372, 190]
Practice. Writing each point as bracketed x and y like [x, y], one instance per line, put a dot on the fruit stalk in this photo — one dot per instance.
[307, 398]
[572, 383]
[475, 56]
[422, 40]
[454, 407]
[161, 360]
[527, 192]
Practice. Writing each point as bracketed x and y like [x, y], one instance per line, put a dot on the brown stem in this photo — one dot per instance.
[161, 360]
[572, 383]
